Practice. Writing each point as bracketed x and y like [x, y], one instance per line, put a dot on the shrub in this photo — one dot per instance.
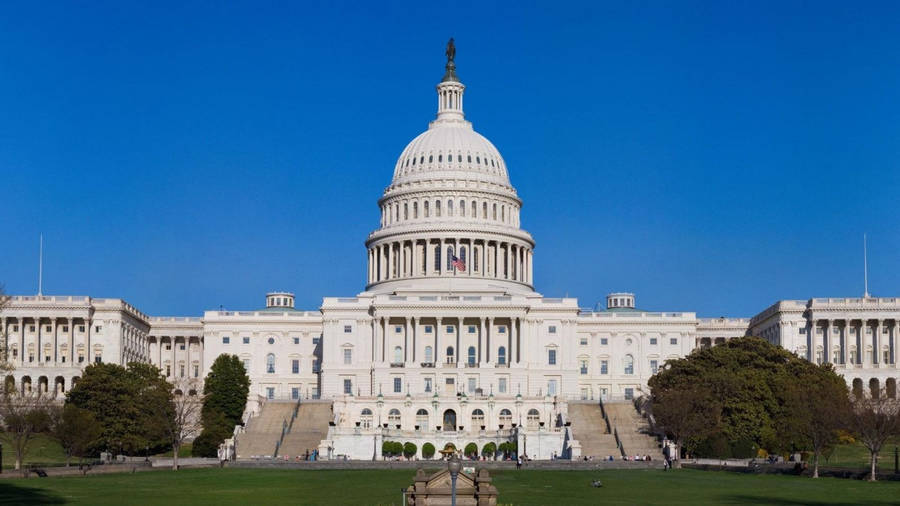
[471, 450]
[489, 450]
[409, 450]
[427, 450]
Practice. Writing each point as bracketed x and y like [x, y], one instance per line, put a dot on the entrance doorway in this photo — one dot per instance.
[450, 420]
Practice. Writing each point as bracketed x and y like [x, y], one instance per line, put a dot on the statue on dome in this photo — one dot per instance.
[451, 50]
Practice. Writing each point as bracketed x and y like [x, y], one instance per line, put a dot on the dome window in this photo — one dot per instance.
[492, 162]
[440, 157]
[470, 158]
[430, 158]
[478, 160]
[414, 162]
[407, 162]
[422, 160]
[459, 158]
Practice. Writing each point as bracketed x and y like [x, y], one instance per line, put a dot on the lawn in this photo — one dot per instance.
[43, 450]
[222, 487]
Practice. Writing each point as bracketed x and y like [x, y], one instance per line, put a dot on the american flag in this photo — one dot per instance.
[456, 262]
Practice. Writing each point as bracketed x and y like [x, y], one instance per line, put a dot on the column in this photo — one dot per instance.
[845, 342]
[88, 354]
[414, 271]
[876, 343]
[437, 347]
[458, 329]
[37, 326]
[383, 331]
[509, 339]
[866, 357]
[390, 273]
[403, 257]
[429, 258]
[55, 340]
[415, 333]
[405, 339]
[894, 332]
[187, 356]
[22, 341]
[481, 337]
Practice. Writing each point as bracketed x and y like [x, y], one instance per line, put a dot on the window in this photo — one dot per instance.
[429, 354]
[472, 385]
[181, 370]
[295, 366]
[449, 258]
[652, 340]
[501, 385]
[348, 329]
[270, 363]
[450, 354]
[169, 345]
[270, 393]
[583, 341]
[533, 418]
[246, 340]
[604, 367]
[628, 362]
[181, 346]
[348, 387]
[296, 340]
[449, 329]
[64, 329]
[552, 329]
[802, 330]
[97, 359]
[98, 328]
[629, 394]
[551, 387]
[471, 355]
[398, 329]
[271, 340]
[472, 329]
[583, 366]
[348, 356]
[80, 328]
[654, 366]
[501, 355]
[246, 363]
[428, 384]
[673, 341]
[428, 329]
[398, 385]
[315, 365]
[295, 393]
[394, 416]
[316, 340]
[225, 340]
[551, 357]
[437, 258]
[168, 370]
[398, 355]
[604, 341]
[196, 371]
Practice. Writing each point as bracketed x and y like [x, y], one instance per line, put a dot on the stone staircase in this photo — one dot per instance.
[264, 430]
[309, 429]
[634, 430]
[589, 429]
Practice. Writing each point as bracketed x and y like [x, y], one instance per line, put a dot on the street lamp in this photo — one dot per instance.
[453, 465]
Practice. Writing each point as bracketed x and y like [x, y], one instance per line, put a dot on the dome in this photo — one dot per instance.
[451, 150]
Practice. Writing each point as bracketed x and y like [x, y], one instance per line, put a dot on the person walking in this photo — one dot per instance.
[519, 462]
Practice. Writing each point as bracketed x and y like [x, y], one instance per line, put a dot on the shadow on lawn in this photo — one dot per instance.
[753, 499]
[10, 493]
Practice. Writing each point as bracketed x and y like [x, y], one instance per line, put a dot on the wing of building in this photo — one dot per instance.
[449, 342]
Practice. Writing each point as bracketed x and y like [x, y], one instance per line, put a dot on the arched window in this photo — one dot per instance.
[429, 355]
[270, 363]
[462, 207]
[503, 213]
[394, 416]
[629, 364]
[440, 158]
[484, 210]
[425, 208]
[430, 158]
[450, 355]
[477, 418]
[415, 210]
[474, 209]
[501, 355]
[462, 254]
[437, 208]
[449, 258]
[405, 211]
[534, 418]
[437, 258]
[422, 419]
[449, 208]
[365, 418]
[459, 158]
[495, 211]
[505, 417]
[475, 254]
[398, 355]
[471, 355]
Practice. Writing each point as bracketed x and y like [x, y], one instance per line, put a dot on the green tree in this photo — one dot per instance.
[427, 450]
[23, 418]
[489, 450]
[409, 450]
[77, 431]
[471, 450]
[132, 405]
[225, 393]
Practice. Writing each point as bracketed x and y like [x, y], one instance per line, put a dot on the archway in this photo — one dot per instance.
[26, 385]
[857, 387]
[9, 384]
[874, 388]
[890, 387]
[59, 386]
[450, 420]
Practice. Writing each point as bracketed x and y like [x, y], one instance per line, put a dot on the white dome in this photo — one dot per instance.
[451, 150]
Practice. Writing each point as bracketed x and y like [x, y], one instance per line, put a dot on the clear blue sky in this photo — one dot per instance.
[708, 157]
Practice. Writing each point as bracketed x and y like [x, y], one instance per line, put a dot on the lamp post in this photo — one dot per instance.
[453, 465]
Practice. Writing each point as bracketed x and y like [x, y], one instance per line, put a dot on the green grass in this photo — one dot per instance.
[222, 487]
[43, 450]
[184, 451]
[856, 455]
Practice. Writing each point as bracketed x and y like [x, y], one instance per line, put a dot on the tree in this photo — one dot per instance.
[225, 393]
[409, 450]
[817, 407]
[489, 450]
[688, 414]
[874, 418]
[471, 450]
[77, 431]
[23, 418]
[185, 421]
[133, 405]
[427, 451]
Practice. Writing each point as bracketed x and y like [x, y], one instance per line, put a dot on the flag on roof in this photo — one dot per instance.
[456, 262]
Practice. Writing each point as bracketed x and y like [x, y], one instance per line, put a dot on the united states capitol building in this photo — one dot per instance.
[449, 341]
